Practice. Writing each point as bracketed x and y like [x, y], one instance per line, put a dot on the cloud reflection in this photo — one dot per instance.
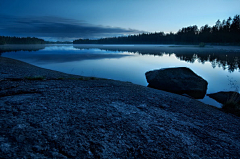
[54, 56]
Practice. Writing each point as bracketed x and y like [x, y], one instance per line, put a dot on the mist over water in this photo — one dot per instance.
[220, 66]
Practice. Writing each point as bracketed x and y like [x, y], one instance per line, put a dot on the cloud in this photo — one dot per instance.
[49, 27]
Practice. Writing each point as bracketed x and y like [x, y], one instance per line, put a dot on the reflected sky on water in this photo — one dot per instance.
[218, 65]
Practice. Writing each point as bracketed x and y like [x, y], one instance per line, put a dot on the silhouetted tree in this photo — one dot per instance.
[18, 40]
[227, 31]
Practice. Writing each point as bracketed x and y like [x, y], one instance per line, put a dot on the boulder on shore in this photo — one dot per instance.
[179, 80]
[223, 97]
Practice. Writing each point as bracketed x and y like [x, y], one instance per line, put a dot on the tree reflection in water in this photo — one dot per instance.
[224, 57]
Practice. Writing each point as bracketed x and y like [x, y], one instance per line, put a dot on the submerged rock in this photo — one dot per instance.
[223, 97]
[179, 80]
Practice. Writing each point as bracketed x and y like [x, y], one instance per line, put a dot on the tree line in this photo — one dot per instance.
[223, 32]
[18, 40]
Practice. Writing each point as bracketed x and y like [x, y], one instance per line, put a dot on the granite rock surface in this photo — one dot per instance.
[65, 116]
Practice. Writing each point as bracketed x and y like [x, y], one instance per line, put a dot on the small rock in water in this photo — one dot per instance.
[223, 97]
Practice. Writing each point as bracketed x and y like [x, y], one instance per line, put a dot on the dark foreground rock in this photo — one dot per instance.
[180, 80]
[75, 117]
[224, 97]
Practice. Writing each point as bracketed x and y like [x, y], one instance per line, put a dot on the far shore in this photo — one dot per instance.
[141, 48]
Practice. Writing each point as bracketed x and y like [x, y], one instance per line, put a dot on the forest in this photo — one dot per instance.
[28, 40]
[18, 40]
[223, 32]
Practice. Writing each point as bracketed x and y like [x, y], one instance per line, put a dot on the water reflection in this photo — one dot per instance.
[129, 63]
[228, 57]
[49, 58]
[16, 48]
[227, 61]
[50, 54]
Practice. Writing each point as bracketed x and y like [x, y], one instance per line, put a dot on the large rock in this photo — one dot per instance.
[223, 97]
[180, 80]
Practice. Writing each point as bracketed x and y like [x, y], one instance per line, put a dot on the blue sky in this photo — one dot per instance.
[73, 19]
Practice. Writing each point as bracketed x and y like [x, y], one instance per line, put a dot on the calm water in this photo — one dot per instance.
[218, 65]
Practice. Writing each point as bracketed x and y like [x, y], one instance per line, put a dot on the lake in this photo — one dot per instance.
[219, 65]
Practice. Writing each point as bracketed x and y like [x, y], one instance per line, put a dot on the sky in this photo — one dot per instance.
[67, 20]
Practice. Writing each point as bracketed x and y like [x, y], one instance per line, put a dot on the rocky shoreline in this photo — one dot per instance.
[49, 114]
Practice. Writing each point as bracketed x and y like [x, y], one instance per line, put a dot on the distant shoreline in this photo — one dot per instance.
[183, 44]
